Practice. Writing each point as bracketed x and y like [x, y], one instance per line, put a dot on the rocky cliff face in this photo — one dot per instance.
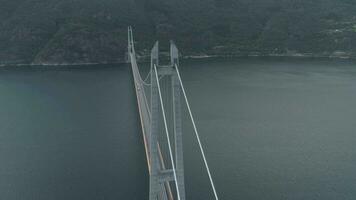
[90, 31]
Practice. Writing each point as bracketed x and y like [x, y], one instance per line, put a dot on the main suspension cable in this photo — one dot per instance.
[196, 134]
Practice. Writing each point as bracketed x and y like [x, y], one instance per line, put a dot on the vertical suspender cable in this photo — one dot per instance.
[196, 133]
[166, 130]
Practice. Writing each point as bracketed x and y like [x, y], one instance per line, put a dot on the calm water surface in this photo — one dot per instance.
[272, 129]
[70, 134]
[276, 128]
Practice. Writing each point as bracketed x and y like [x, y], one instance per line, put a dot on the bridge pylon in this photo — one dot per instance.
[160, 176]
[154, 115]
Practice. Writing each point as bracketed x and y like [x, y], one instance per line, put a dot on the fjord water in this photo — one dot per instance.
[272, 128]
[276, 128]
[70, 133]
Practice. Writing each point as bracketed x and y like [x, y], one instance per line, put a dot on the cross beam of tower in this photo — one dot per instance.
[159, 104]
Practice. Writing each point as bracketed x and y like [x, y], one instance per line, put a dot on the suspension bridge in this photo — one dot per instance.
[159, 97]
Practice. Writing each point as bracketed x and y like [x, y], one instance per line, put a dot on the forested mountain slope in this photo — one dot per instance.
[78, 31]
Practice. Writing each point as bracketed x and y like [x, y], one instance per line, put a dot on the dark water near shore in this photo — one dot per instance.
[273, 128]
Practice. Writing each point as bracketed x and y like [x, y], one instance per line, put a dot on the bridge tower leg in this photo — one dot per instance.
[153, 135]
[177, 120]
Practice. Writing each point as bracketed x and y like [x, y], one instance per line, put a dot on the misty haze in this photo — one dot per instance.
[177, 99]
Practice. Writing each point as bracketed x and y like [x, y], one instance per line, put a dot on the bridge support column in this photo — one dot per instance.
[160, 177]
[177, 120]
[153, 135]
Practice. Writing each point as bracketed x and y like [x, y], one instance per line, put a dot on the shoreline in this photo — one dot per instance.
[193, 57]
[271, 56]
[60, 64]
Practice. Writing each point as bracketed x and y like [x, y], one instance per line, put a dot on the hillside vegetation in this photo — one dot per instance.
[80, 31]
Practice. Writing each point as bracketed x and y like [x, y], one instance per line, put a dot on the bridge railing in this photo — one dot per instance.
[142, 101]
